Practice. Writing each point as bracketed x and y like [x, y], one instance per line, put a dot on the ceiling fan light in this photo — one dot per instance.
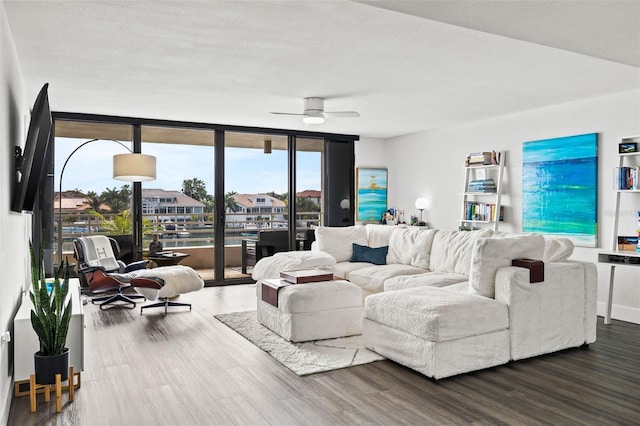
[313, 119]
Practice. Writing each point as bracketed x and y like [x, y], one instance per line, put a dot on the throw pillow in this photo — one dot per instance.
[337, 241]
[490, 254]
[557, 249]
[375, 255]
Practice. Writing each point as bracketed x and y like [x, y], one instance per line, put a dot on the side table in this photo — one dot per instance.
[167, 258]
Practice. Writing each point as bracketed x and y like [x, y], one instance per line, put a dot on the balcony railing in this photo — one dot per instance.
[183, 230]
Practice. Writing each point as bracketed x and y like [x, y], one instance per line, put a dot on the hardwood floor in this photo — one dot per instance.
[189, 369]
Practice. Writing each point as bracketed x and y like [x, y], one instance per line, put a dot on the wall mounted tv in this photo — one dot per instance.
[29, 163]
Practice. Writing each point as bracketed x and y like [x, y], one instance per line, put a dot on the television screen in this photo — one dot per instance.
[30, 164]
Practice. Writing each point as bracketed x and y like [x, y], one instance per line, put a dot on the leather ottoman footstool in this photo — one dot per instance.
[313, 311]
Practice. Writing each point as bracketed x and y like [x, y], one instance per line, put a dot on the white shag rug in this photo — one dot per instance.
[301, 358]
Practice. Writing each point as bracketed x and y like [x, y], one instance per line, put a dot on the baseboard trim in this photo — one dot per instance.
[4, 418]
[622, 313]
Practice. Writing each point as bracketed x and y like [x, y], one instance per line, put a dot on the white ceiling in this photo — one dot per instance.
[405, 66]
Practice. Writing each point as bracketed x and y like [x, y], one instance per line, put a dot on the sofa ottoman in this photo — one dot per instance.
[436, 331]
[313, 311]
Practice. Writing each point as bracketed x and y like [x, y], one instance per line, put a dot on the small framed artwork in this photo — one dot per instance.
[627, 147]
[371, 194]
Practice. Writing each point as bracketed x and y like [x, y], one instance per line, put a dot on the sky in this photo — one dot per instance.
[246, 171]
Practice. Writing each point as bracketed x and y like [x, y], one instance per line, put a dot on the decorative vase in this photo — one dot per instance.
[47, 366]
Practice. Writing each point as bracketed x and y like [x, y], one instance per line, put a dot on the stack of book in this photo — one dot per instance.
[479, 158]
[482, 185]
[626, 178]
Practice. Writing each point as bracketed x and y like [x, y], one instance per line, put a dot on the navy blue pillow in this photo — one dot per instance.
[377, 256]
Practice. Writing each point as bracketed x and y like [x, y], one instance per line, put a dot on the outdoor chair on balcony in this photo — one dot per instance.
[97, 262]
[266, 244]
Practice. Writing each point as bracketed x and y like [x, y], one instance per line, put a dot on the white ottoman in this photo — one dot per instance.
[437, 332]
[313, 311]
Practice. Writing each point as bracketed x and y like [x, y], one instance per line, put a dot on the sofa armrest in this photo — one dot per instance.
[546, 316]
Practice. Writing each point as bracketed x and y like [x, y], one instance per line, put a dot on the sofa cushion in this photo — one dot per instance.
[372, 278]
[375, 255]
[378, 235]
[337, 241]
[451, 250]
[343, 269]
[411, 246]
[557, 249]
[432, 279]
[491, 254]
[436, 314]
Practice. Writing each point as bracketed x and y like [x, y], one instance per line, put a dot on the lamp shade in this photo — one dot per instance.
[134, 167]
[422, 204]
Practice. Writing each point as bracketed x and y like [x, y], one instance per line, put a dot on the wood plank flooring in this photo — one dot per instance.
[189, 369]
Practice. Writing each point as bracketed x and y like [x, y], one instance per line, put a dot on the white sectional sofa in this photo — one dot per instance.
[448, 302]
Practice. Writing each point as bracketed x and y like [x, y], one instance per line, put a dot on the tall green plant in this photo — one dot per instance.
[50, 315]
[121, 223]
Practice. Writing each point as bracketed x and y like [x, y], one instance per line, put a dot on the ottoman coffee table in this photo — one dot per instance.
[312, 311]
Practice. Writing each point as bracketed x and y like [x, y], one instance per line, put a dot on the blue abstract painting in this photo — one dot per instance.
[372, 194]
[560, 188]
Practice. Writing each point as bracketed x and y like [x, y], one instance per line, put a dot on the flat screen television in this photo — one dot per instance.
[30, 161]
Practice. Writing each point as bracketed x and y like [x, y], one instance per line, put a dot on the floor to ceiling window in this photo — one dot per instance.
[88, 200]
[177, 207]
[309, 188]
[216, 188]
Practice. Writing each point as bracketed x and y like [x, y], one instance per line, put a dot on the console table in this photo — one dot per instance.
[616, 258]
[26, 341]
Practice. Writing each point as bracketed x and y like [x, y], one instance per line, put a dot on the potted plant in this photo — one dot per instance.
[50, 319]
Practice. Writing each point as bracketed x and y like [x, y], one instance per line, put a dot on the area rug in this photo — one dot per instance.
[301, 358]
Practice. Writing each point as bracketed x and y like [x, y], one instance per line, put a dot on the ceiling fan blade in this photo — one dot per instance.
[287, 113]
[341, 114]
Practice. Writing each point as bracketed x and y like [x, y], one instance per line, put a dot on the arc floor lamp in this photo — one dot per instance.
[132, 167]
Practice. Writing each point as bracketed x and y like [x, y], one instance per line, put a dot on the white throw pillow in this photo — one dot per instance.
[491, 254]
[379, 235]
[338, 241]
[451, 250]
[410, 246]
[557, 249]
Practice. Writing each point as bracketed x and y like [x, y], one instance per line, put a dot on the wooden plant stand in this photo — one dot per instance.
[35, 388]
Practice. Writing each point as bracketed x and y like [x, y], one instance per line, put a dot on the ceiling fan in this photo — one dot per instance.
[314, 112]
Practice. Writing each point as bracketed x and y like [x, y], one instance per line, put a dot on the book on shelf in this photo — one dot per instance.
[479, 158]
[482, 212]
[485, 158]
[626, 178]
[482, 185]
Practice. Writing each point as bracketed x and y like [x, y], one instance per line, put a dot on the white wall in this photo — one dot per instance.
[14, 227]
[429, 164]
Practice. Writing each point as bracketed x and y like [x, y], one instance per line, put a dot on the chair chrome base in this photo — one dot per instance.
[105, 301]
[165, 302]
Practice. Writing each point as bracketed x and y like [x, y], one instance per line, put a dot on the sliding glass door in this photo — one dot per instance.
[178, 207]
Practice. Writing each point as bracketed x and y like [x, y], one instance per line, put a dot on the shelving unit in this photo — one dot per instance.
[617, 257]
[482, 208]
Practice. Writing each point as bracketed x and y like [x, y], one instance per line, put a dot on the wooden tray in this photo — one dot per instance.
[306, 276]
